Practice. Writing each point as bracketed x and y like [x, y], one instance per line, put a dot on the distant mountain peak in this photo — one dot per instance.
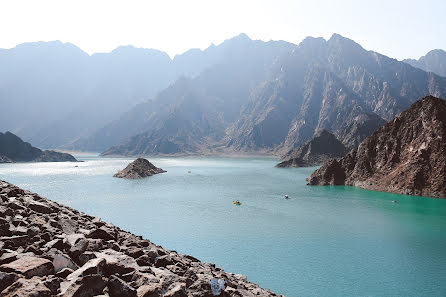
[337, 39]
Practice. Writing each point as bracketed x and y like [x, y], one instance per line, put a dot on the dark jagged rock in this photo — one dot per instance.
[14, 149]
[138, 169]
[322, 147]
[405, 156]
[107, 268]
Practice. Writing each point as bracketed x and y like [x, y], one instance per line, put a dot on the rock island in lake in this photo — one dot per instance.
[138, 169]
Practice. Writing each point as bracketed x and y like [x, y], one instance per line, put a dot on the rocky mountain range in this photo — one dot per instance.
[434, 61]
[322, 147]
[406, 156]
[53, 93]
[278, 104]
[14, 149]
[242, 96]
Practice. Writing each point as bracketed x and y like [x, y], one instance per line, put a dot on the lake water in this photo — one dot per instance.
[323, 241]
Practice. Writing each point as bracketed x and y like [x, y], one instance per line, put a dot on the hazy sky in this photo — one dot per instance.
[397, 28]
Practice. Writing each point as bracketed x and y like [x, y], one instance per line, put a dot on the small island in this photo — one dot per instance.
[139, 168]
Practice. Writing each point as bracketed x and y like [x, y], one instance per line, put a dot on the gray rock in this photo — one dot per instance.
[118, 288]
[30, 266]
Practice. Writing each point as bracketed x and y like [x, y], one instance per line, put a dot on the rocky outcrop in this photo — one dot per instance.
[14, 149]
[138, 169]
[56, 250]
[322, 147]
[405, 156]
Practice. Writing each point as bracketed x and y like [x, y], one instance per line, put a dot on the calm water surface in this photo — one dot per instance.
[324, 241]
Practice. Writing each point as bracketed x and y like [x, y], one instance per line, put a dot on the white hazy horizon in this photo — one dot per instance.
[400, 29]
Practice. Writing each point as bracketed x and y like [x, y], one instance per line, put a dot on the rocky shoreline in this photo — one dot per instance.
[47, 249]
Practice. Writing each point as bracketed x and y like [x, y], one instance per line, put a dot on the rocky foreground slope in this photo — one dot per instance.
[322, 147]
[405, 156]
[47, 249]
[14, 149]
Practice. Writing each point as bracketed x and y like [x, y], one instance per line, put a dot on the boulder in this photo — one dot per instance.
[33, 287]
[6, 279]
[118, 288]
[86, 286]
[29, 266]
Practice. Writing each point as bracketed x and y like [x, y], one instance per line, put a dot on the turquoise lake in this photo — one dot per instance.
[323, 241]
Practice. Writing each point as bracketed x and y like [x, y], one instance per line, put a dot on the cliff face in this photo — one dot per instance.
[405, 156]
[322, 147]
[14, 149]
[47, 249]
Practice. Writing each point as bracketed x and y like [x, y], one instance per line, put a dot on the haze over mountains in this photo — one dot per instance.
[241, 96]
[434, 61]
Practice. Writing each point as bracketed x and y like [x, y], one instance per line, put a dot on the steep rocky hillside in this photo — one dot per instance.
[405, 156]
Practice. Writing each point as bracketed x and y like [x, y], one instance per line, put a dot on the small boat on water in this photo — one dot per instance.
[236, 202]
[395, 201]
[286, 197]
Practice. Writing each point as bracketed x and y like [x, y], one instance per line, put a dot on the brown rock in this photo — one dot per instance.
[39, 207]
[33, 287]
[118, 288]
[87, 286]
[6, 279]
[29, 266]
[101, 233]
[405, 156]
[149, 290]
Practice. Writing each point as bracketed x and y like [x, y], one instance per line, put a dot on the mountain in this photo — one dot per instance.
[53, 92]
[192, 114]
[55, 95]
[406, 156]
[434, 61]
[273, 97]
[327, 85]
[322, 147]
[14, 149]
